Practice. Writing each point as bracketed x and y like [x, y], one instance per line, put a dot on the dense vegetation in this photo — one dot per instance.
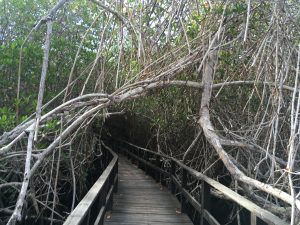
[215, 84]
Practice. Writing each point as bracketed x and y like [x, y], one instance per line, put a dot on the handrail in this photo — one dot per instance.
[150, 161]
[91, 209]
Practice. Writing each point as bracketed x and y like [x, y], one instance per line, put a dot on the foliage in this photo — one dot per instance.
[7, 119]
[17, 19]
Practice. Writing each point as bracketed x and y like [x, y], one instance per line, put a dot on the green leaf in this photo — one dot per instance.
[3, 118]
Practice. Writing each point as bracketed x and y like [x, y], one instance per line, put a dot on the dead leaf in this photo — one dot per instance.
[108, 215]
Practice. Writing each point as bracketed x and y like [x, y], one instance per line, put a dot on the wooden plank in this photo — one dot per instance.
[144, 200]
[143, 192]
[136, 179]
[128, 217]
[134, 198]
[143, 223]
[149, 203]
[140, 209]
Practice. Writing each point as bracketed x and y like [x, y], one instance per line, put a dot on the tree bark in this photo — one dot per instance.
[214, 140]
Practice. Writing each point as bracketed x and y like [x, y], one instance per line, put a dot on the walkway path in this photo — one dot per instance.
[142, 201]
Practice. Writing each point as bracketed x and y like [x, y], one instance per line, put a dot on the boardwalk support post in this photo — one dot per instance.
[183, 186]
[139, 153]
[157, 163]
[205, 201]
[147, 169]
[172, 176]
[253, 219]
[116, 176]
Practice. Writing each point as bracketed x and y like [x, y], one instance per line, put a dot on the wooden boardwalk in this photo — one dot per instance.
[142, 201]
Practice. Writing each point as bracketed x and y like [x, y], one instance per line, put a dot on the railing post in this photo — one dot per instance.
[257, 220]
[116, 176]
[183, 186]
[205, 201]
[106, 158]
[172, 174]
[86, 220]
[139, 164]
[131, 159]
[157, 173]
[111, 199]
[146, 157]
[127, 154]
[253, 219]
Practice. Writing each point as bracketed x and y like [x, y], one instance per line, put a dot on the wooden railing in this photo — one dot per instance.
[91, 209]
[181, 179]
